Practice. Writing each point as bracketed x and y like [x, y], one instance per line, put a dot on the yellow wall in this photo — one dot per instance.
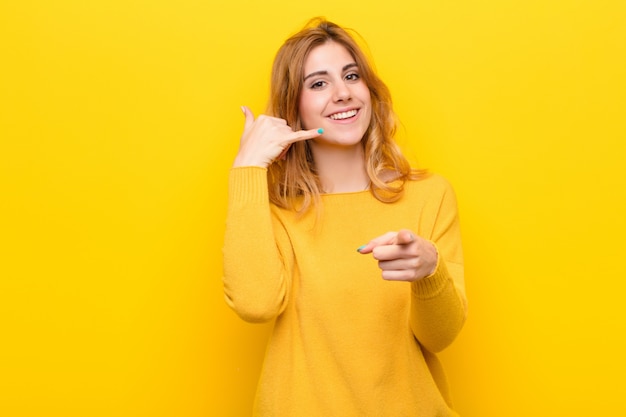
[119, 120]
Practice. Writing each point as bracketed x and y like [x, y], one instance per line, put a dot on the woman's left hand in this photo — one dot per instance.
[402, 256]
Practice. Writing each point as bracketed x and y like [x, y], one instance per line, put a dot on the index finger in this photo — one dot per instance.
[386, 239]
[398, 247]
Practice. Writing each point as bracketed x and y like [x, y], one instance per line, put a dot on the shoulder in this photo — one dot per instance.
[432, 190]
[431, 183]
[436, 198]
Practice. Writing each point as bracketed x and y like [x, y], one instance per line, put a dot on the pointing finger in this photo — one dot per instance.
[386, 239]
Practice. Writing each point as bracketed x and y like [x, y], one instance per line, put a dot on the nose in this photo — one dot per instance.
[342, 92]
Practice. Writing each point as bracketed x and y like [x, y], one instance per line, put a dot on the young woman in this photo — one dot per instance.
[356, 331]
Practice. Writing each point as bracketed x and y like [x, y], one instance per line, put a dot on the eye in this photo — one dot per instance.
[353, 76]
[318, 85]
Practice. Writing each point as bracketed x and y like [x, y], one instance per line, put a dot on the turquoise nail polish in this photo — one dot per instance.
[360, 248]
[320, 131]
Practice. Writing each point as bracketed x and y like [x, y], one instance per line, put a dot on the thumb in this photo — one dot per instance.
[404, 237]
[249, 117]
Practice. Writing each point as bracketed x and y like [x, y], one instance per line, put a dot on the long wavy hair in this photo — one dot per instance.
[296, 175]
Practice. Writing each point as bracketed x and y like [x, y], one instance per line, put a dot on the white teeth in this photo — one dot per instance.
[343, 115]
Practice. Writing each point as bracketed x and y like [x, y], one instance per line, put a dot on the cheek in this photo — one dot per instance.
[367, 100]
[366, 95]
[307, 109]
[304, 115]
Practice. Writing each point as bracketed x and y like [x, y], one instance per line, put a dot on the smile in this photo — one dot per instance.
[343, 115]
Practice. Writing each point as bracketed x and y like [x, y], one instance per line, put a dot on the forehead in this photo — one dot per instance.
[326, 57]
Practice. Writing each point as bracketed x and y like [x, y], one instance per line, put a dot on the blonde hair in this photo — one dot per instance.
[296, 176]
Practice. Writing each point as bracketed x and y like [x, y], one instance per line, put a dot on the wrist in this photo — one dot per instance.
[241, 161]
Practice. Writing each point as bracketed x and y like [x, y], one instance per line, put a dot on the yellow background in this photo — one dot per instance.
[119, 120]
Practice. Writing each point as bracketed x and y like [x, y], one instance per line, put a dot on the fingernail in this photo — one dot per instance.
[320, 131]
[360, 248]
[243, 110]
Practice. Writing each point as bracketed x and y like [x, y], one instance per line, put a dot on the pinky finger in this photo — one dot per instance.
[306, 134]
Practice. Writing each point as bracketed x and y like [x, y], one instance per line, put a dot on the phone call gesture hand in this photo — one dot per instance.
[267, 138]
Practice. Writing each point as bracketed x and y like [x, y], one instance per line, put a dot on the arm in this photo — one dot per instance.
[433, 264]
[256, 272]
[438, 302]
[257, 268]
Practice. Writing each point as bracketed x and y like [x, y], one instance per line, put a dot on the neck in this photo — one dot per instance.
[340, 168]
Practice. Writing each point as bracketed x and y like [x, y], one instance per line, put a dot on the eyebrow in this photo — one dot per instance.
[345, 68]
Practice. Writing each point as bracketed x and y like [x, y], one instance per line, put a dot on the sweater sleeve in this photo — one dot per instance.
[438, 302]
[256, 281]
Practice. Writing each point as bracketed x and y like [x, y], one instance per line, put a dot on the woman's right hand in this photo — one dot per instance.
[266, 139]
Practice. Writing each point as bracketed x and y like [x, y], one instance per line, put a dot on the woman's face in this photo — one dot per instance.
[334, 97]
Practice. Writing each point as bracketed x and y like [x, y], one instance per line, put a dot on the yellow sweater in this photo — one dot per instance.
[345, 342]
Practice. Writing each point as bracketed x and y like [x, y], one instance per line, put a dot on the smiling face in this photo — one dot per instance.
[334, 97]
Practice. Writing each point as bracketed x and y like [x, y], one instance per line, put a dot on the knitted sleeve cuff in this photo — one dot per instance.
[434, 284]
[247, 185]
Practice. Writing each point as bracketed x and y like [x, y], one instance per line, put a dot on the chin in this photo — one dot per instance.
[342, 136]
[339, 141]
